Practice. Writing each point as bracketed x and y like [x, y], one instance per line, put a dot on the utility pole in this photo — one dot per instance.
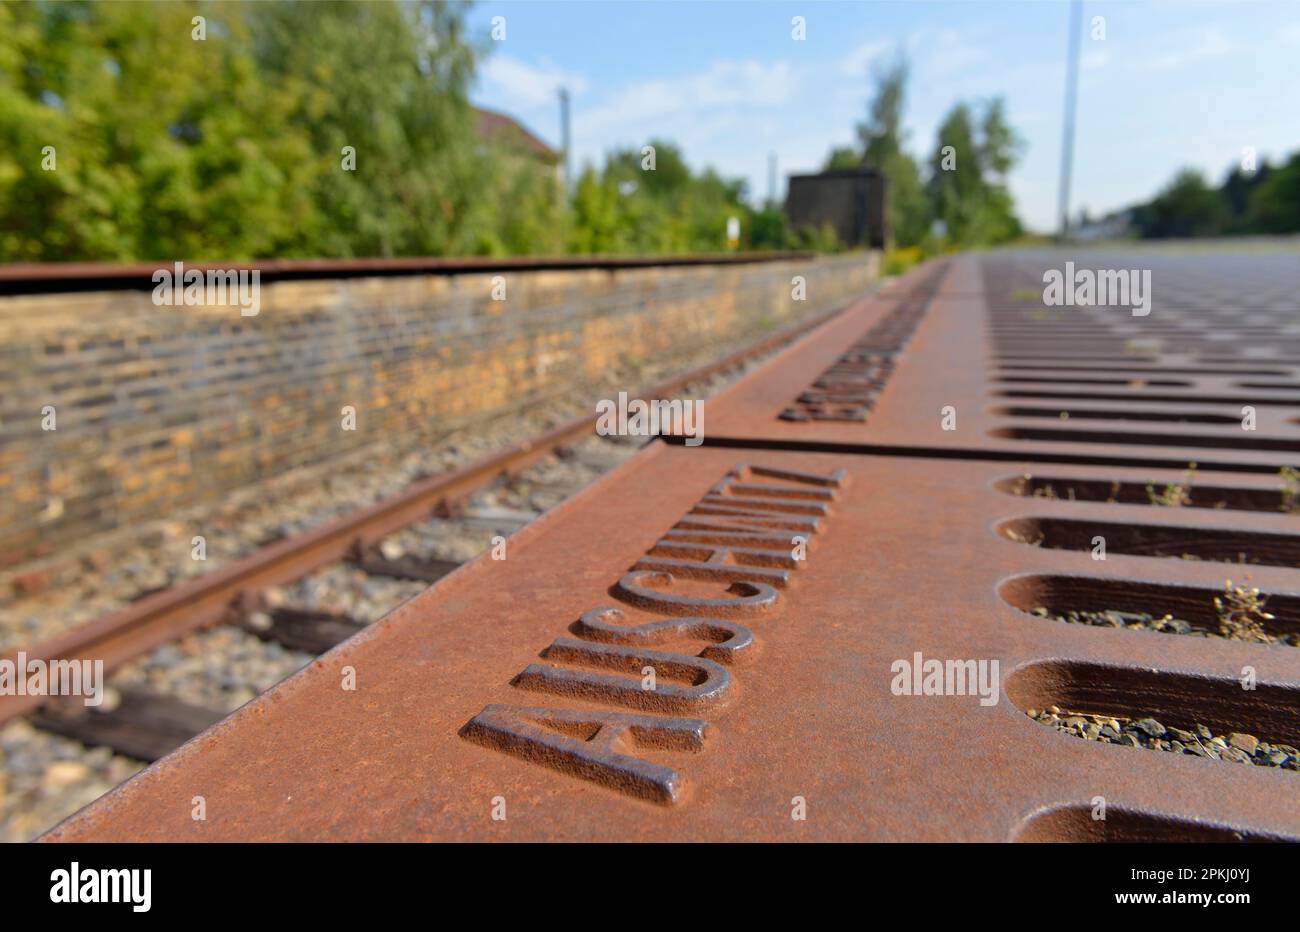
[1071, 96]
[771, 179]
[564, 133]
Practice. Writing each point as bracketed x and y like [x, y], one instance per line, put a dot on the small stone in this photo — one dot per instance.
[1277, 758]
[64, 773]
[273, 597]
[1186, 737]
[1245, 743]
[259, 621]
[166, 656]
[1204, 733]
[1151, 727]
[112, 699]
[1235, 755]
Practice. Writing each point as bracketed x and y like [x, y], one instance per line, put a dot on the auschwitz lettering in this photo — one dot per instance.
[738, 534]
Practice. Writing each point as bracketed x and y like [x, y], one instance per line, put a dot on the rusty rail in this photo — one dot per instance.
[45, 277]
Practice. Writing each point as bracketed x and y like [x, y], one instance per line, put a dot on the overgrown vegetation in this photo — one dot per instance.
[963, 185]
[1265, 201]
[233, 147]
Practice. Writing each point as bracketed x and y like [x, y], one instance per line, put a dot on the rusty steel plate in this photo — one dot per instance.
[984, 368]
[509, 701]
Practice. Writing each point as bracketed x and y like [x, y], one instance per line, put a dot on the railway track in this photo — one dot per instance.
[884, 601]
[397, 545]
[145, 723]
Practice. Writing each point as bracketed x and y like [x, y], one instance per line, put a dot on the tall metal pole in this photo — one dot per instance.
[564, 132]
[771, 178]
[1071, 96]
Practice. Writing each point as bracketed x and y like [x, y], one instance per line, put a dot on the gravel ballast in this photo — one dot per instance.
[1200, 741]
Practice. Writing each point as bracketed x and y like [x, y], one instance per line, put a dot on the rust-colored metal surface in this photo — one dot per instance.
[1211, 375]
[654, 661]
[223, 594]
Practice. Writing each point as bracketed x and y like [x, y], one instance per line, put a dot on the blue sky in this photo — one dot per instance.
[1191, 82]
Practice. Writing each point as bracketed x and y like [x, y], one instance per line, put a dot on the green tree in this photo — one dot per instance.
[881, 138]
[1187, 206]
[974, 150]
[391, 82]
[768, 229]
[1275, 203]
[163, 145]
[842, 157]
[661, 210]
[596, 221]
[232, 147]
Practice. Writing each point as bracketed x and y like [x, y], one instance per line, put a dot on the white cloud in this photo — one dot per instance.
[724, 85]
[856, 63]
[1094, 59]
[950, 54]
[1193, 46]
[530, 85]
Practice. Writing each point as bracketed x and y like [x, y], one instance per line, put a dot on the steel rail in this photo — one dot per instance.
[58, 277]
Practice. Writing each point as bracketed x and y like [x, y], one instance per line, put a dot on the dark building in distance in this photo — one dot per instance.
[851, 200]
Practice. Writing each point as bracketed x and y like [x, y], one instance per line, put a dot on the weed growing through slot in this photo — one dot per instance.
[1174, 494]
[1022, 488]
[1241, 613]
[1049, 491]
[1290, 490]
